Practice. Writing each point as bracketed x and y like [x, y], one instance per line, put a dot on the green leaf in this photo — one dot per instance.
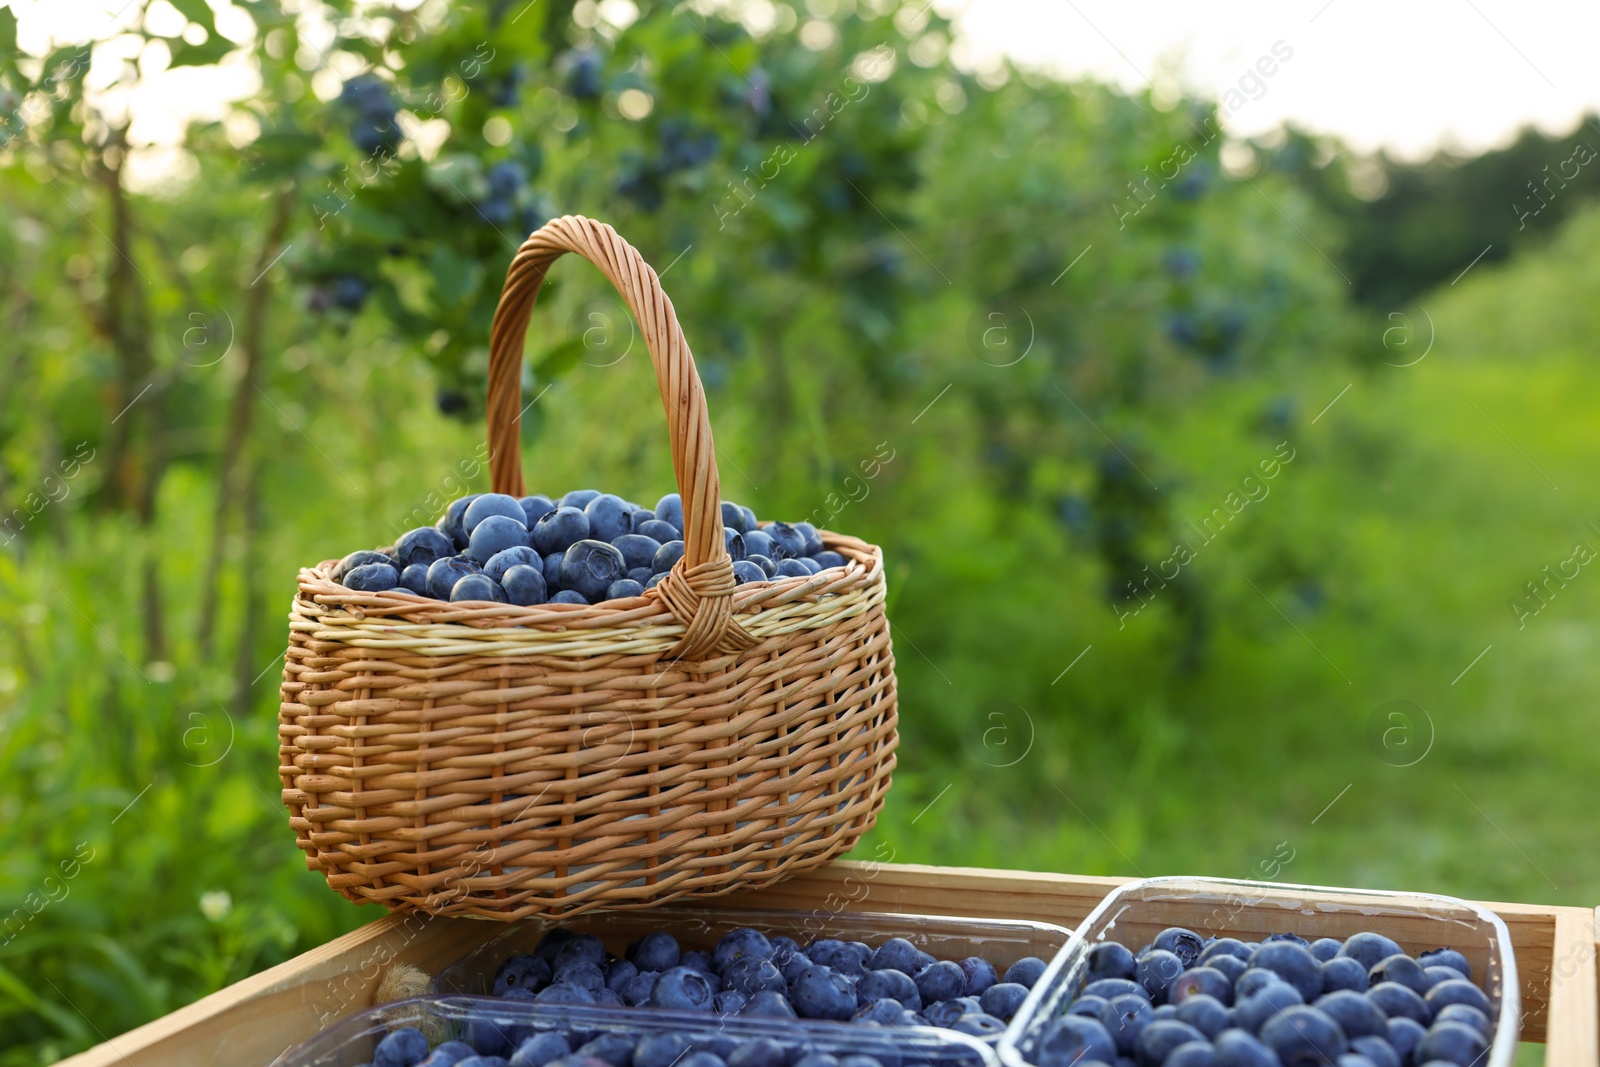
[199, 55]
[8, 32]
[559, 359]
[198, 12]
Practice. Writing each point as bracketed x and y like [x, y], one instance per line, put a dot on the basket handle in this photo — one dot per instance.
[699, 589]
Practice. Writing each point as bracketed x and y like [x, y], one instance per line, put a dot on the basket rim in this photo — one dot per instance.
[335, 604]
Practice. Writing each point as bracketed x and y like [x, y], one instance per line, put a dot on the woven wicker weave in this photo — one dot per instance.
[504, 761]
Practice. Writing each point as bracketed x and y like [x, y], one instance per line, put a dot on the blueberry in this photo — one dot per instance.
[613, 1048]
[733, 517]
[637, 550]
[729, 1002]
[581, 972]
[829, 559]
[640, 575]
[817, 1059]
[667, 557]
[1113, 987]
[943, 1013]
[478, 587]
[564, 993]
[1087, 1005]
[758, 1052]
[683, 988]
[739, 944]
[622, 589]
[1369, 949]
[414, 579]
[669, 509]
[980, 975]
[1182, 943]
[791, 568]
[581, 948]
[1402, 969]
[1236, 1048]
[1074, 1040]
[811, 565]
[1446, 957]
[1326, 948]
[402, 1048]
[1295, 938]
[898, 954]
[733, 541]
[610, 517]
[1205, 1013]
[618, 972]
[884, 1011]
[946, 981]
[540, 1049]
[1342, 972]
[757, 543]
[784, 949]
[1293, 963]
[1231, 967]
[979, 1025]
[521, 972]
[1191, 1054]
[660, 1049]
[1452, 1042]
[535, 508]
[750, 520]
[638, 988]
[842, 956]
[768, 568]
[423, 545]
[1376, 1049]
[1254, 980]
[1458, 991]
[1404, 1036]
[559, 530]
[590, 567]
[501, 562]
[495, 534]
[654, 952]
[552, 942]
[659, 531]
[702, 1059]
[1157, 1040]
[1436, 974]
[811, 540]
[1396, 1001]
[821, 993]
[1124, 1017]
[578, 498]
[609, 998]
[1356, 1015]
[768, 1004]
[1201, 980]
[1111, 960]
[698, 960]
[552, 570]
[445, 573]
[787, 542]
[1157, 970]
[361, 559]
[890, 983]
[1303, 1036]
[524, 585]
[449, 1054]
[372, 578]
[492, 504]
[450, 524]
[751, 974]
[1467, 1014]
[1253, 1011]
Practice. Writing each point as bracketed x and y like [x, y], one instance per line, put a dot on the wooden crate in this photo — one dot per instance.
[256, 1020]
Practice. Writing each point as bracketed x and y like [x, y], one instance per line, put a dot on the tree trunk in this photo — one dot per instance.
[240, 412]
[245, 667]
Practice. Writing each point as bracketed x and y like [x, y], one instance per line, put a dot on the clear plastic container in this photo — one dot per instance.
[1000, 941]
[489, 1022]
[1136, 912]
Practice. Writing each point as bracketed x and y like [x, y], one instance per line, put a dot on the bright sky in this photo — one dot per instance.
[1408, 75]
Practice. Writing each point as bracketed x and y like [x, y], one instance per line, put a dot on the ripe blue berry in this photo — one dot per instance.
[660, 1049]
[669, 509]
[787, 542]
[1293, 963]
[1075, 1040]
[522, 971]
[568, 596]
[637, 549]
[683, 988]
[821, 993]
[640, 574]
[402, 1048]
[1198, 981]
[744, 572]
[1404, 1036]
[560, 530]
[450, 525]
[495, 534]
[590, 567]
[667, 556]
[1302, 1035]
[944, 980]
[1026, 971]
[733, 517]
[623, 588]
[1403, 969]
[415, 579]
[422, 545]
[1254, 1010]
[1110, 959]
[734, 542]
[1467, 1014]
[1356, 1015]
[1458, 991]
[445, 573]
[501, 562]
[829, 558]
[540, 1049]
[535, 508]
[552, 570]
[1369, 949]
[1377, 1050]
[525, 585]
[637, 990]
[1398, 1002]
[757, 543]
[578, 498]
[1446, 957]
[889, 984]
[1003, 999]
[1159, 1038]
[1326, 948]
[478, 587]
[655, 580]
[1185, 944]
[360, 559]
[372, 578]
[768, 1004]
[979, 1025]
[1342, 972]
[660, 532]
[609, 517]
[492, 504]
[812, 542]
[791, 568]
[980, 975]
[1237, 1048]
[768, 567]
[1205, 1013]
[900, 955]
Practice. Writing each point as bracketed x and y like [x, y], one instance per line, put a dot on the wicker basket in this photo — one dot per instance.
[504, 761]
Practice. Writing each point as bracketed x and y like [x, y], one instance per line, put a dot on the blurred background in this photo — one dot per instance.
[1220, 387]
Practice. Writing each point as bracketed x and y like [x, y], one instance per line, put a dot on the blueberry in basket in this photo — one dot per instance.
[749, 974]
[583, 547]
[1189, 1001]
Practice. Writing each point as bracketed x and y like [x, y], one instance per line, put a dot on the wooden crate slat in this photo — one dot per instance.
[255, 1020]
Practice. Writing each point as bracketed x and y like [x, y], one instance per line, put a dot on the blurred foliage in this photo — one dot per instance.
[1072, 335]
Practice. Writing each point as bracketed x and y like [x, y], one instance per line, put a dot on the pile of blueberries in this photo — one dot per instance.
[1187, 1001]
[751, 975]
[586, 547]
